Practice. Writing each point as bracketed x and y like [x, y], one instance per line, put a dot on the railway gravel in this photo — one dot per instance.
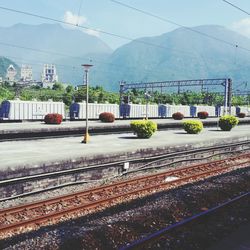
[116, 226]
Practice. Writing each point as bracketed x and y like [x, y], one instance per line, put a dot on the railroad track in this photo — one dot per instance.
[141, 164]
[27, 217]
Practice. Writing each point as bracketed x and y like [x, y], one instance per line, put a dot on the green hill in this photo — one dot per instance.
[4, 64]
[181, 54]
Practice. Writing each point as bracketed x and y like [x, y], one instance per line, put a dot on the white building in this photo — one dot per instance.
[11, 73]
[49, 76]
[26, 73]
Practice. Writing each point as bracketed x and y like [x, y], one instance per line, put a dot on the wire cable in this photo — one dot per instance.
[180, 25]
[79, 11]
[125, 37]
[65, 55]
[92, 29]
[236, 7]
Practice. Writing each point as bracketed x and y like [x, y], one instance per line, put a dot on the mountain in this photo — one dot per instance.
[66, 45]
[180, 54]
[4, 64]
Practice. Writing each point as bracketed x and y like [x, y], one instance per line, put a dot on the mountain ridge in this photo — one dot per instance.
[186, 55]
[179, 54]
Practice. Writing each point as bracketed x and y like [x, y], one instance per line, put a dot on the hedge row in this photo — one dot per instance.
[146, 128]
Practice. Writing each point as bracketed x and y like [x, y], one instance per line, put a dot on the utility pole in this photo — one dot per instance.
[86, 70]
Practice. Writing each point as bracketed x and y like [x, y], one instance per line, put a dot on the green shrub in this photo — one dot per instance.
[144, 128]
[177, 116]
[107, 117]
[227, 122]
[192, 127]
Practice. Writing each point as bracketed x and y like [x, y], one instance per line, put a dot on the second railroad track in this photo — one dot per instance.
[26, 217]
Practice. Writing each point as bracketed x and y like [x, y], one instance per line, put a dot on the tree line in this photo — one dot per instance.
[98, 94]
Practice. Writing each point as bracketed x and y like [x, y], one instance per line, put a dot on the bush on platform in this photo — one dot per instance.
[177, 116]
[227, 122]
[202, 114]
[107, 117]
[192, 127]
[144, 128]
[53, 118]
[241, 115]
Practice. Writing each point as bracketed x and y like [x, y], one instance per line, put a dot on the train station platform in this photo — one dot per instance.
[46, 152]
[30, 130]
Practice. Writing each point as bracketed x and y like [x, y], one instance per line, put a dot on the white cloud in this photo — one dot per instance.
[93, 32]
[69, 17]
[242, 26]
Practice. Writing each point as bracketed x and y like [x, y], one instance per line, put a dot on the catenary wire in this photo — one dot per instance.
[118, 36]
[65, 55]
[236, 7]
[92, 29]
[179, 25]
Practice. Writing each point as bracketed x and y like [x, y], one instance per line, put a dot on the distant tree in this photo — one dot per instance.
[58, 86]
[69, 89]
[67, 99]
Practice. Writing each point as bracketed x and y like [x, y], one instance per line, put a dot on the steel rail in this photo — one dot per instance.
[132, 160]
[96, 189]
[117, 191]
[139, 169]
[58, 214]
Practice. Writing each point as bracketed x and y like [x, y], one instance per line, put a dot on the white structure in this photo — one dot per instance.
[1, 80]
[29, 110]
[95, 109]
[26, 73]
[49, 76]
[11, 73]
[140, 110]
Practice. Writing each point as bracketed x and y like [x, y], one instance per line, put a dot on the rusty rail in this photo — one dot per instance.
[16, 219]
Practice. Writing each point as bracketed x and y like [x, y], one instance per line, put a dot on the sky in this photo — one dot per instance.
[108, 16]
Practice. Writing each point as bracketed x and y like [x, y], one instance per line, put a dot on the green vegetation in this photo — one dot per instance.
[192, 126]
[144, 128]
[4, 64]
[227, 122]
[99, 95]
[6, 94]
[57, 93]
[186, 98]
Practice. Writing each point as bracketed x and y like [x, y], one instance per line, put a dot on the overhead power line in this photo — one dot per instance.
[75, 57]
[177, 24]
[79, 11]
[36, 62]
[92, 29]
[111, 34]
[236, 7]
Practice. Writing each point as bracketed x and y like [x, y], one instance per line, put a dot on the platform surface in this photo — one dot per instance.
[36, 126]
[14, 154]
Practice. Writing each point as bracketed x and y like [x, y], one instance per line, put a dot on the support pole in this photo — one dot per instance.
[230, 87]
[225, 97]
